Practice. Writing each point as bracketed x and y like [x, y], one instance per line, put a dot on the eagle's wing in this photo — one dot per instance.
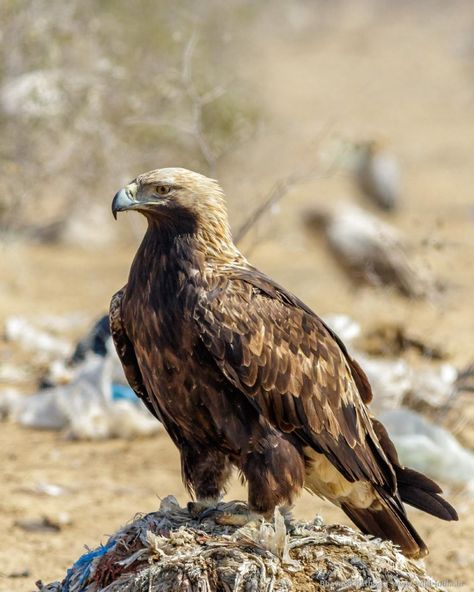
[278, 353]
[126, 353]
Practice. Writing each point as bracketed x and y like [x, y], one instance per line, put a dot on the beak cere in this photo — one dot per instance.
[123, 200]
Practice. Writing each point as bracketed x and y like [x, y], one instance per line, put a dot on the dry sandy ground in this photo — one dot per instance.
[407, 77]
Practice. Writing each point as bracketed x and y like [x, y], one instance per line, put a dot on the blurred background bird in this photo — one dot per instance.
[377, 174]
[368, 249]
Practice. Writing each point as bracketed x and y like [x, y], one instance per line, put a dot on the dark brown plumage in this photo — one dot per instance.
[243, 374]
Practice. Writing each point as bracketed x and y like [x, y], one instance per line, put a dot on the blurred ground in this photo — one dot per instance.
[403, 73]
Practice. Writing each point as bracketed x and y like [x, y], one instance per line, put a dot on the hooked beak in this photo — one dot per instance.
[124, 199]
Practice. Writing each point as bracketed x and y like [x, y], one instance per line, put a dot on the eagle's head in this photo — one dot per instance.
[179, 202]
[170, 193]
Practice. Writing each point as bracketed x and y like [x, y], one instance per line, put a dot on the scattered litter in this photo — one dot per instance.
[59, 372]
[84, 393]
[49, 489]
[429, 448]
[173, 549]
[45, 523]
[87, 395]
[271, 537]
[391, 339]
[21, 331]
[45, 489]
[368, 249]
[94, 341]
[433, 386]
[40, 410]
[344, 326]
[19, 573]
[91, 406]
[121, 392]
[390, 380]
[396, 382]
[60, 323]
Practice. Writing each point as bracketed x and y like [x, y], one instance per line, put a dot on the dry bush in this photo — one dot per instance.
[93, 93]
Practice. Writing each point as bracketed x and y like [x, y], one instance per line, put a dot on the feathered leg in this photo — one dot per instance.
[205, 474]
[274, 468]
[275, 471]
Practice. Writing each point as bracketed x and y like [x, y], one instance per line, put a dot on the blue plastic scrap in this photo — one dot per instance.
[121, 392]
[83, 567]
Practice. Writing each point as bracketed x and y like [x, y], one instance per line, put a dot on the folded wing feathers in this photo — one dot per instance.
[287, 361]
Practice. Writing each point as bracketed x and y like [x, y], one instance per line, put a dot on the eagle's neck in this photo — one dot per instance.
[170, 256]
[215, 244]
[188, 241]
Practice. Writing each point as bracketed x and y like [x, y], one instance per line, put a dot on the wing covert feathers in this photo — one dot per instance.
[283, 357]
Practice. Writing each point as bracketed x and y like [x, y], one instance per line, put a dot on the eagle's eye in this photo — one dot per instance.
[162, 189]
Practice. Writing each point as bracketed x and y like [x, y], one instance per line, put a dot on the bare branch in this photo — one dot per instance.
[197, 103]
[187, 62]
[279, 191]
[153, 121]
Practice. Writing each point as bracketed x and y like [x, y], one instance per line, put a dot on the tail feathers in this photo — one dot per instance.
[414, 488]
[419, 491]
[387, 520]
[406, 476]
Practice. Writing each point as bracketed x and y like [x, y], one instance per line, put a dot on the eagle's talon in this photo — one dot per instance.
[201, 509]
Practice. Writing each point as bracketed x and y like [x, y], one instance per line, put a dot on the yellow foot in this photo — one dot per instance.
[238, 519]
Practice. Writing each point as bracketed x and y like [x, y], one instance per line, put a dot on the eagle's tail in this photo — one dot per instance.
[386, 519]
[413, 487]
[421, 492]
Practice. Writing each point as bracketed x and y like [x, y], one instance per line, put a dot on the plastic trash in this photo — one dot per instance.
[344, 326]
[23, 332]
[94, 341]
[428, 448]
[96, 404]
[394, 382]
[391, 381]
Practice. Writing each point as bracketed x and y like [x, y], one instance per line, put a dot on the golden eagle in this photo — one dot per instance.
[243, 374]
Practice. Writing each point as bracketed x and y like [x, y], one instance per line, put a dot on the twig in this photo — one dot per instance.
[278, 191]
[194, 127]
[197, 103]
[284, 186]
